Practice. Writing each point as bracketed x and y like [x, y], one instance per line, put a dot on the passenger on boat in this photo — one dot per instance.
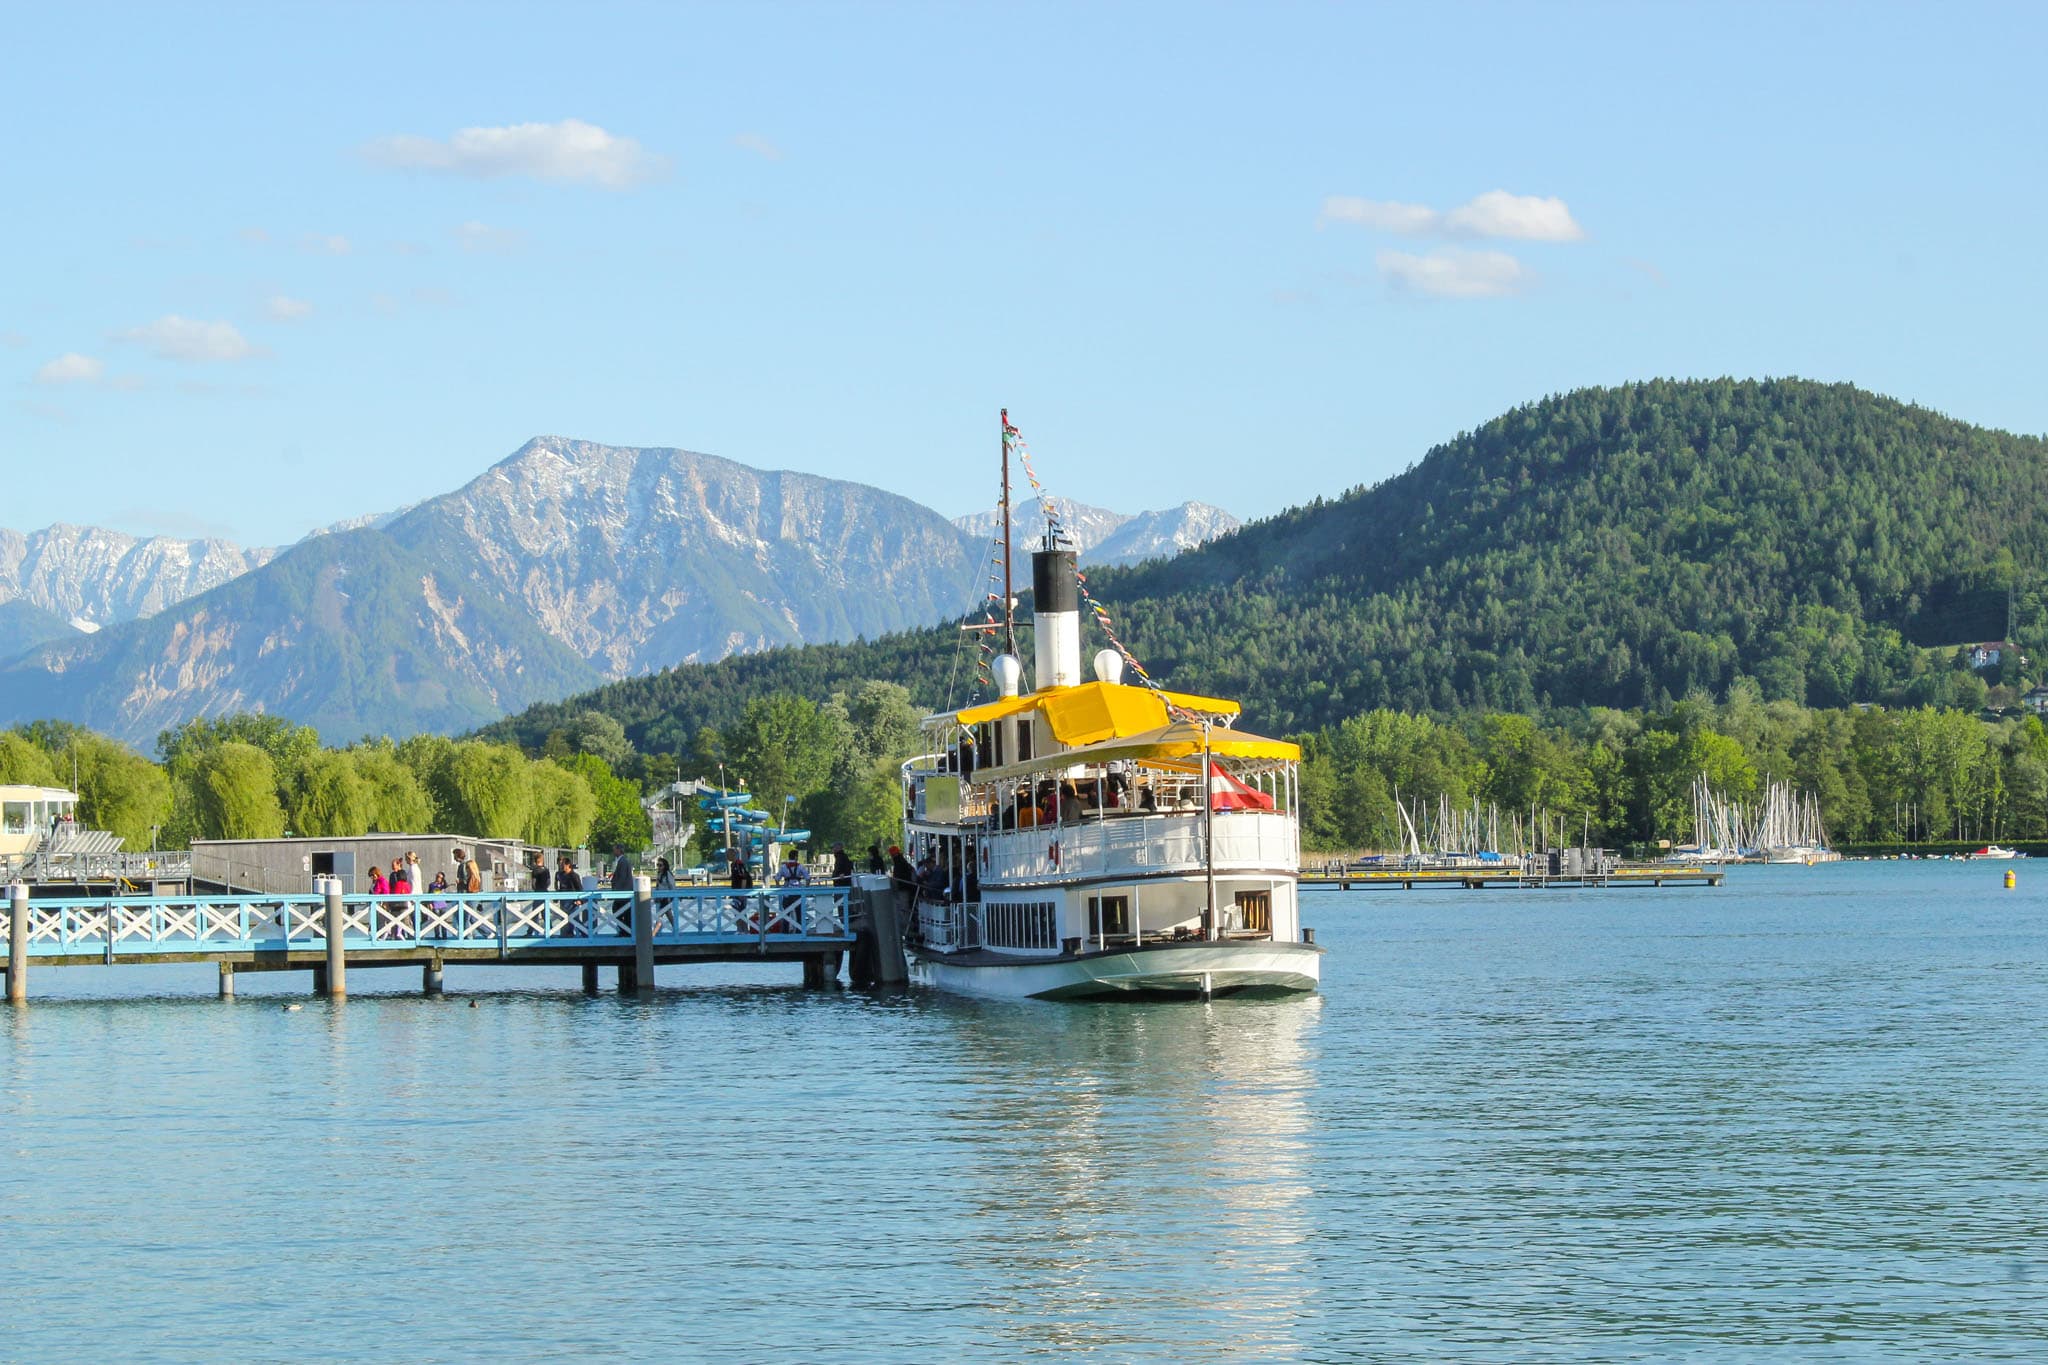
[876, 863]
[931, 880]
[900, 870]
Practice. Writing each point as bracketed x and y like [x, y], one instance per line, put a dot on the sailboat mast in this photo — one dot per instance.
[1009, 593]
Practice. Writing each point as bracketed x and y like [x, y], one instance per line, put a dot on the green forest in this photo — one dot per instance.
[1624, 547]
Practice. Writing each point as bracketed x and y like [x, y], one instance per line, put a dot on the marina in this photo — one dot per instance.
[1515, 873]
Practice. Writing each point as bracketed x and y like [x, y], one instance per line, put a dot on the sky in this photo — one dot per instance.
[268, 267]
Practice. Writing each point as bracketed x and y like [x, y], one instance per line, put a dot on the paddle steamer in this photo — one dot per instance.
[1098, 837]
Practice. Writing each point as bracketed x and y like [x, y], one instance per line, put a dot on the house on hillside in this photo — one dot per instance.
[1992, 653]
[2036, 701]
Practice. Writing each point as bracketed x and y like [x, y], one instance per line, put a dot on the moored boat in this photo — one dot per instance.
[1100, 838]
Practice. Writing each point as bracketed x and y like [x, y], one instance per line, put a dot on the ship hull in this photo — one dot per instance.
[1193, 970]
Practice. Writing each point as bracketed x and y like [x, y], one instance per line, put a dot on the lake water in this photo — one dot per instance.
[1804, 1115]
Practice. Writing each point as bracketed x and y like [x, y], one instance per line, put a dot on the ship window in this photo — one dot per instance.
[16, 817]
[1030, 924]
[1109, 916]
[1255, 910]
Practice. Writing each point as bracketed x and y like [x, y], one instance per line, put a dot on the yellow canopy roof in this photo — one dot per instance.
[1097, 710]
[1179, 740]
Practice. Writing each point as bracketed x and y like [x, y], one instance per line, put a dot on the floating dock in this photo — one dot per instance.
[1511, 875]
[328, 933]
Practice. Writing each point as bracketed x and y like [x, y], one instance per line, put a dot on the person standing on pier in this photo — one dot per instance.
[842, 866]
[538, 870]
[876, 863]
[565, 875]
[468, 876]
[622, 869]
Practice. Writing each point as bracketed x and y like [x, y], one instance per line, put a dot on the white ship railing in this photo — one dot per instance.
[1248, 841]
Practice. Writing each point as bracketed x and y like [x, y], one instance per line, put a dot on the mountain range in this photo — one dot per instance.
[1103, 537]
[81, 578]
[567, 563]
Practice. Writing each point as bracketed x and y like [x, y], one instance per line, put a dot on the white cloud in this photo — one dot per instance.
[71, 368]
[1496, 213]
[174, 338]
[1454, 273]
[475, 236]
[326, 244]
[571, 151]
[1411, 220]
[758, 145]
[1526, 217]
[283, 308]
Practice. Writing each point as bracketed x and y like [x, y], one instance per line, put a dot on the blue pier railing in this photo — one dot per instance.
[152, 926]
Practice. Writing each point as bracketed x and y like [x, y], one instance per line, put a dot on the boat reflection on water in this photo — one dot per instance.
[1136, 1175]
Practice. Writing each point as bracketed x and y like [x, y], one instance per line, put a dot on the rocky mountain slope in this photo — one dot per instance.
[1103, 536]
[353, 632]
[640, 558]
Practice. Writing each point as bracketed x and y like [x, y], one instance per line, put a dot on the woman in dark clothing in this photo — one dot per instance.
[875, 862]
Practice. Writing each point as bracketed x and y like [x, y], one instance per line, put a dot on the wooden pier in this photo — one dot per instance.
[329, 933]
[1512, 875]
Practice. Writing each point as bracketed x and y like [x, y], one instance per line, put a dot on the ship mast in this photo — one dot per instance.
[1009, 594]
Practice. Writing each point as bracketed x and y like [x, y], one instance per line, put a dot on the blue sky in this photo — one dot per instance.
[270, 266]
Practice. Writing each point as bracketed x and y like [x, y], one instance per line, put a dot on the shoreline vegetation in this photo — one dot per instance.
[1919, 780]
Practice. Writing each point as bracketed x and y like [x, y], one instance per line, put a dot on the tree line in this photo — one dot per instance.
[830, 767]
[1624, 778]
[1619, 777]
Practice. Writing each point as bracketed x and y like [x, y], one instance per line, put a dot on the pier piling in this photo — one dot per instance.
[17, 944]
[227, 980]
[590, 978]
[430, 976]
[878, 935]
[643, 934]
[336, 974]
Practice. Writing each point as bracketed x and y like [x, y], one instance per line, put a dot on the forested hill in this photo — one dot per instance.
[1614, 546]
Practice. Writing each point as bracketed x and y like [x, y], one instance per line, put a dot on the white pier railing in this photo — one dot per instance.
[141, 927]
